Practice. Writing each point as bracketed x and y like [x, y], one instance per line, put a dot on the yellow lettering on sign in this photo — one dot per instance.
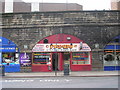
[61, 46]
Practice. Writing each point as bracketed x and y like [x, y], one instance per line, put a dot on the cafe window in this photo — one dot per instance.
[8, 58]
[118, 57]
[41, 58]
[109, 57]
[80, 58]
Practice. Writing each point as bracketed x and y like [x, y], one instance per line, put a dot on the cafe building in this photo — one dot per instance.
[111, 58]
[53, 52]
[9, 55]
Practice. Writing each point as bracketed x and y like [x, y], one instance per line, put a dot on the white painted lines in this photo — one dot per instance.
[41, 80]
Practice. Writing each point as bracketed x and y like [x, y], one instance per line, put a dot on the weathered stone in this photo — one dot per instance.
[94, 27]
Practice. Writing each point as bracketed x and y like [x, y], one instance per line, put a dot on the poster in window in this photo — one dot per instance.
[25, 59]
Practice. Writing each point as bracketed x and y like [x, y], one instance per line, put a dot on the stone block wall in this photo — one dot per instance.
[94, 27]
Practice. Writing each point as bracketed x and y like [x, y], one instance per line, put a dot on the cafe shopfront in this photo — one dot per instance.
[52, 52]
[9, 55]
[111, 56]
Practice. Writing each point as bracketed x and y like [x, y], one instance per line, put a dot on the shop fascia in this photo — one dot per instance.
[73, 47]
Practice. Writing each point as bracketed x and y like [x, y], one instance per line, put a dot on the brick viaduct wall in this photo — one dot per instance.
[94, 27]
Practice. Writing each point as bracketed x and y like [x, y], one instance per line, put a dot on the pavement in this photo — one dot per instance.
[60, 74]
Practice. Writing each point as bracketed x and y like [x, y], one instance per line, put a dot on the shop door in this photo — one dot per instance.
[55, 61]
[66, 58]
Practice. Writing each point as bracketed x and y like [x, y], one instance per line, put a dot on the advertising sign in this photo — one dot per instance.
[61, 47]
[25, 59]
[7, 45]
[8, 49]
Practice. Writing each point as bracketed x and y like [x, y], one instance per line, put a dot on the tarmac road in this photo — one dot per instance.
[61, 82]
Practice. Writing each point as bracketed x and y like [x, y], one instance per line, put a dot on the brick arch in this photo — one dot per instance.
[114, 41]
[114, 38]
[6, 41]
[60, 39]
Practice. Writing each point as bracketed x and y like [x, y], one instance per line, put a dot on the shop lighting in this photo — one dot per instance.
[68, 38]
[81, 45]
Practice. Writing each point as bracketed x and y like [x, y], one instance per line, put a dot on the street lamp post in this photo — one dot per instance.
[56, 57]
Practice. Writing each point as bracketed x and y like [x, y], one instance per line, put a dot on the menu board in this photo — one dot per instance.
[41, 58]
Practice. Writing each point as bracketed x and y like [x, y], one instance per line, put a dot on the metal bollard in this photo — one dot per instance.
[3, 70]
[66, 69]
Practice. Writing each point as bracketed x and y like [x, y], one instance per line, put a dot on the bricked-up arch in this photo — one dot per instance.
[52, 50]
[61, 38]
[116, 39]
[114, 42]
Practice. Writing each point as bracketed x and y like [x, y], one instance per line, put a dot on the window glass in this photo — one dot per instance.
[80, 58]
[66, 58]
[118, 57]
[109, 57]
[41, 58]
[8, 58]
